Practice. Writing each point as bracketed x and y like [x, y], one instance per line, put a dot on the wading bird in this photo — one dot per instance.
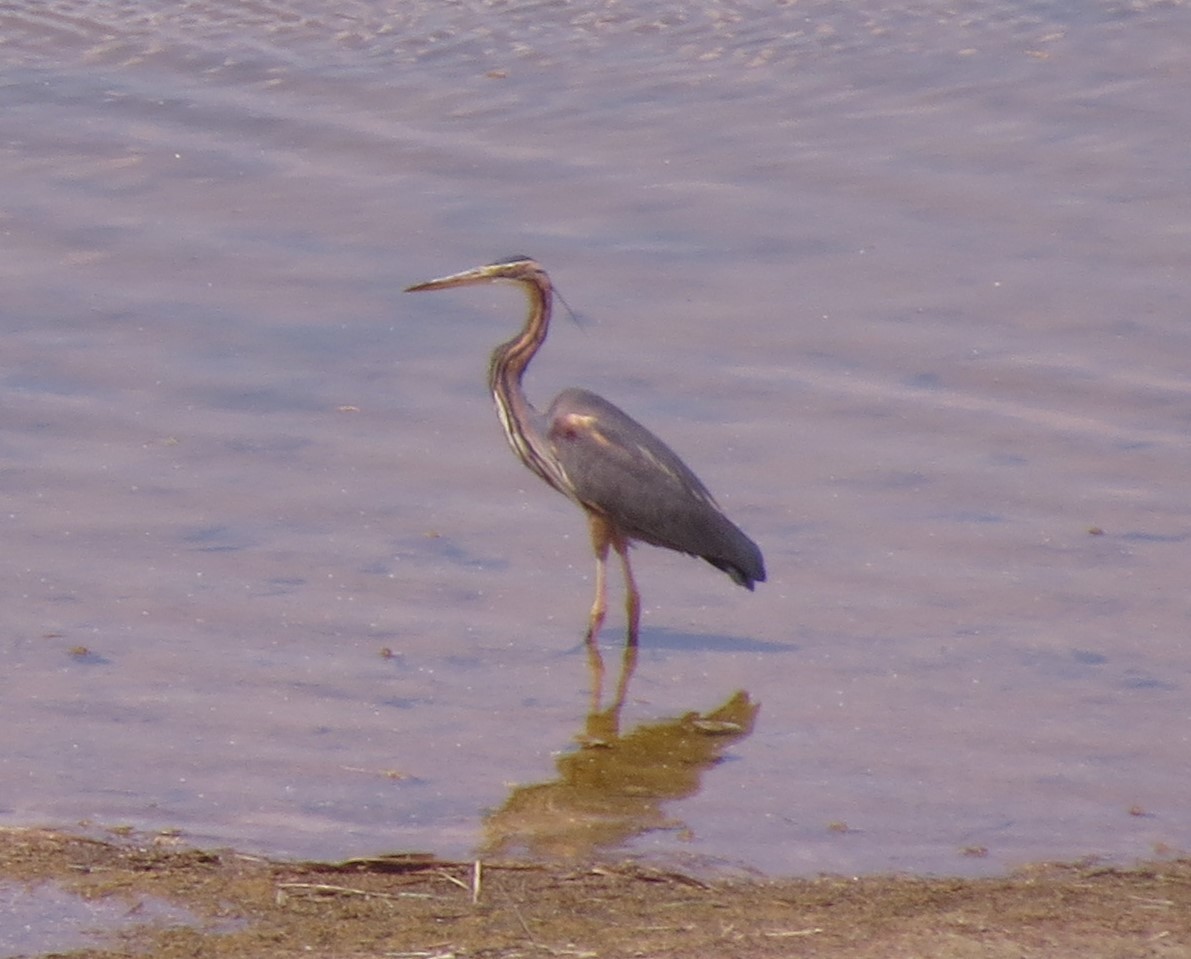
[631, 485]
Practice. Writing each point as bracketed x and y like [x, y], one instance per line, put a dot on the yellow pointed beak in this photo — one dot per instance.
[481, 274]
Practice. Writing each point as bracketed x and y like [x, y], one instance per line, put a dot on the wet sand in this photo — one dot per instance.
[244, 906]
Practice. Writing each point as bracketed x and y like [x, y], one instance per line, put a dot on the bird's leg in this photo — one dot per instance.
[604, 535]
[632, 597]
[601, 539]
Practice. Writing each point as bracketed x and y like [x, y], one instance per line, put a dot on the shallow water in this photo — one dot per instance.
[906, 287]
[45, 918]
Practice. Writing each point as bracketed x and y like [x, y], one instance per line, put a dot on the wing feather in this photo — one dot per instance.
[618, 468]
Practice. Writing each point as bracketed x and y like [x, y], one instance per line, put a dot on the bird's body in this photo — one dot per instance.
[618, 469]
[631, 485]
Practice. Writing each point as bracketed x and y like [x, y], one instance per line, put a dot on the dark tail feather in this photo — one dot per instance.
[747, 567]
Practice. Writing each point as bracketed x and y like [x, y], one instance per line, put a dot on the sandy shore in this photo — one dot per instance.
[418, 906]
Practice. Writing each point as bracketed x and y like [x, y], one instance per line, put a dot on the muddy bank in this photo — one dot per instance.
[239, 906]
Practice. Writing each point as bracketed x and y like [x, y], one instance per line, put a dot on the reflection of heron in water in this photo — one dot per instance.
[631, 485]
[615, 787]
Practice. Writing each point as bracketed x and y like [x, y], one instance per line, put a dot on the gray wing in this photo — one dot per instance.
[619, 469]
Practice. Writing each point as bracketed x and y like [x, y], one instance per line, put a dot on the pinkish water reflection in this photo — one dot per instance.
[907, 289]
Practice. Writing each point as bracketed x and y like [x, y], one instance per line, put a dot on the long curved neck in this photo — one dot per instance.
[507, 367]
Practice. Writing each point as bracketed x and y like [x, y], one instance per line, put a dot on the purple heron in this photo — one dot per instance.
[630, 484]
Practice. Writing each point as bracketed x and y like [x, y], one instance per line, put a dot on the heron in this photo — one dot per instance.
[631, 485]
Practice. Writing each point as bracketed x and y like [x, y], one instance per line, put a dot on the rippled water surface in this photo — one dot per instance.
[906, 285]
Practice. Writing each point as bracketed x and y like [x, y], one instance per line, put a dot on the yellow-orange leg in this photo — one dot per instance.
[603, 535]
[601, 539]
[632, 598]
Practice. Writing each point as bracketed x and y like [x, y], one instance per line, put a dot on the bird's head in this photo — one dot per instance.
[518, 269]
